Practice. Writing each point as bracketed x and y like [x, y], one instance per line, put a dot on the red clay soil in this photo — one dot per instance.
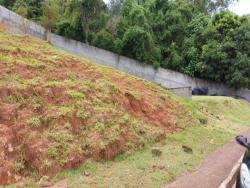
[56, 110]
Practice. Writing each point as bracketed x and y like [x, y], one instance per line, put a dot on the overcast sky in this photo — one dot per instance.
[240, 8]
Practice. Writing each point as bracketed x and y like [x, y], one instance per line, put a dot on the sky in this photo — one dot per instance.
[241, 7]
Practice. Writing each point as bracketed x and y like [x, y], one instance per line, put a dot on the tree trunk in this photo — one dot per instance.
[87, 34]
[49, 35]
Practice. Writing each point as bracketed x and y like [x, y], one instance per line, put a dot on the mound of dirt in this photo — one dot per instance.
[57, 110]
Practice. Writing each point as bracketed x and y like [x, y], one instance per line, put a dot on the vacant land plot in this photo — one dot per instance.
[59, 112]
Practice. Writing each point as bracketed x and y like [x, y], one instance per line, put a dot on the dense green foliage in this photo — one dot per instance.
[200, 37]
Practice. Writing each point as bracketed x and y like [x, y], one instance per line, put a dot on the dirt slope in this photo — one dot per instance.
[57, 110]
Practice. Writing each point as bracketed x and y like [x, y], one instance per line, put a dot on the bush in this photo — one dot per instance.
[104, 40]
[137, 43]
[34, 122]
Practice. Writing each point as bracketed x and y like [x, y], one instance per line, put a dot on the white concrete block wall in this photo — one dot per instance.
[136, 68]
[86, 51]
[20, 25]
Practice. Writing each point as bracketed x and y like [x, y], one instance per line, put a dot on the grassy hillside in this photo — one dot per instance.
[58, 112]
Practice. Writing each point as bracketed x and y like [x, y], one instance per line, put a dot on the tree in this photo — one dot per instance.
[192, 44]
[226, 53]
[115, 7]
[86, 11]
[7, 3]
[50, 15]
[21, 8]
[105, 40]
[31, 9]
[138, 44]
[212, 6]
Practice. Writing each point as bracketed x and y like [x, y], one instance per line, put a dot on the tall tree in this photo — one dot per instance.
[86, 11]
[115, 7]
[7, 3]
[33, 8]
[50, 15]
[212, 6]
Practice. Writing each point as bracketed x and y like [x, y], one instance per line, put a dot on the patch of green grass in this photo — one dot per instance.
[30, 82]
[67, 125]
[138, 128]
[53, 83]
[100, 127]
[61, 137]
[75, 94]
[61, 147]
[10, 99]
[65, 110]
[27, 183]
[34, 122]
[33, 64]
[82, 114]
[73, 76]
[114, 134]
[52, 150]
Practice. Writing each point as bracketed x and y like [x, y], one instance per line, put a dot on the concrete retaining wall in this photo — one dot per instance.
[178, 83]
[18, 24]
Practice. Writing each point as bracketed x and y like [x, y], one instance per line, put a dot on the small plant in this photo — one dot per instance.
[75, 94]
[52, 151]
[126, 119]
[10, 99]
[19, 165]
[113, 135]
[30, 82]
[53, 83]
[36, 104]
[82, 114]
[130, 145]
[67, 125]
[72, 76]
[137, 127]
[46, 164]
[100, 127]
[64, 111]
[34, 122]
[88, 84]
[102, 145]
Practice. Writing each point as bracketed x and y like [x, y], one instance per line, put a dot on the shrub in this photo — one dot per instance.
[34, 122]
[19, 165]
